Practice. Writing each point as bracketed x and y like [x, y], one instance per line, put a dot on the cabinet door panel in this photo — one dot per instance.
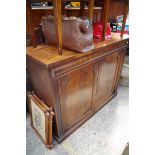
[106, 76]
[76, 95]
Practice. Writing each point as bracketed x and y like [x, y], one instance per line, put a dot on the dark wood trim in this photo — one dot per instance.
[50, 142]
[57, 107]
[30, 23]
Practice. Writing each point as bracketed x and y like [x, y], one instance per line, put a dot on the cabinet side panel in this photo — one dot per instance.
[40, 82]
[42, 85]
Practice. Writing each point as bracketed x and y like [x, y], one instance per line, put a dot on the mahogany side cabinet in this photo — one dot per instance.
[75, 84]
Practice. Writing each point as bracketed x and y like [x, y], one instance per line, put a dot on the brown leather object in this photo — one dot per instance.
[77, 34]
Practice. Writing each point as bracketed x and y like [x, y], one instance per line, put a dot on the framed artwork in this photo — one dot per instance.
[41, 119]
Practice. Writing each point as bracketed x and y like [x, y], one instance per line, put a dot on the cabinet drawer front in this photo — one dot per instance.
[76, 96]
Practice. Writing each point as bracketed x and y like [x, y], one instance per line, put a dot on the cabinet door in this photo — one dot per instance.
[107, 72]
[76, 96]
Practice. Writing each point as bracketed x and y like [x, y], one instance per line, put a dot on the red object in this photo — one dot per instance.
[97, 29]
[108, 31]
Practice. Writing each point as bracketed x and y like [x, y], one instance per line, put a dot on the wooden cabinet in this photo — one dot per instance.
[76, 85]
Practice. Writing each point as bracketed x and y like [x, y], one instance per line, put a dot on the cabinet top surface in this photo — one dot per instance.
[48, 55]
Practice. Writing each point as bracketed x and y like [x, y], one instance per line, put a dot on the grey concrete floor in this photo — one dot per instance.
[105, 133]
